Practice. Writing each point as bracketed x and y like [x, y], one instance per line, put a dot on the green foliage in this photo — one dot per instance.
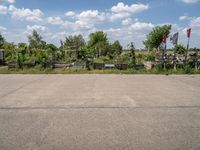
[74, 42]
[43, 58]
[124, 58]
[35, 41]
[139, 58]
[132, 55]
[98, 49]
[41, 70]
[180, 49]
[150, 56]
[2, 41]
[98, 41]
[10, 52]
[83, 53]
[114, 50]
[154, 38]
[104, 59]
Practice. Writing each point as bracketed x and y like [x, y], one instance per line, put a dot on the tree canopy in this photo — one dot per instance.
[2, 41]
[154, 38]
[36, 41]
[74, 42]
[99, 42]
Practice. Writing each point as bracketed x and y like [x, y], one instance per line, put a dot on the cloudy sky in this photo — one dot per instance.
[126, 21]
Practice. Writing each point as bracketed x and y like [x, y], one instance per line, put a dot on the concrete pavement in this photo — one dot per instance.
[144, 112]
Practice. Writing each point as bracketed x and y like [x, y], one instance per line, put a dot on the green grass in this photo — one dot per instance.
[39, 70]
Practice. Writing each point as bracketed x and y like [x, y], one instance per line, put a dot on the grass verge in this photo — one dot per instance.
[38, 70]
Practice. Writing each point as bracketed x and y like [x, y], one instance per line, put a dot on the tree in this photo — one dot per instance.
[23, 48]
[99, 42]
[133, 57]
[10, 52]
[74, 42]
[35, 41]
[52, 48]
[2, 41]
[154, 38]
[23, 53]
[115, 49]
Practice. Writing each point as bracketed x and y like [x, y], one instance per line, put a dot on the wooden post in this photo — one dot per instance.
[164, 63]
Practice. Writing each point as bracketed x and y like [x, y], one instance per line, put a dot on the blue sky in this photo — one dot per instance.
[126, 21]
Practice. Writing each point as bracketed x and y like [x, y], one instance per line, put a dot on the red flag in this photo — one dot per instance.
[188, 32]
[164, 38]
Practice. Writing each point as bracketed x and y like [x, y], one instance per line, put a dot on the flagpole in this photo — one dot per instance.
[187, 50]
[164, 38]
[164, 56]
[175, 43]
[188, 44]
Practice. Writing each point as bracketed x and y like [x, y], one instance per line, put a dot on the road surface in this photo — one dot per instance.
[99, 112]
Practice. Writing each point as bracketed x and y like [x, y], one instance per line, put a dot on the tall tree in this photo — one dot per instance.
[23, 47]
[10, 52]
[133, 57]
[117, 47]
[74, 42]
[99, 42]
[154, 38]
[35, 41]
[2, 41]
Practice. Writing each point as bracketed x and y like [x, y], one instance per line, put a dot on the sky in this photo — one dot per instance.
[126, 21]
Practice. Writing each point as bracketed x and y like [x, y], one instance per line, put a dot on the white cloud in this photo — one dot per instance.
[11, 1]
[76, 25]
[34, 15]
[141, 26]
[2, 28]
[121, 10]
[38, 28]
[183, 17]
[135, 31]
[116, 16]
[195, 22]
[134, 8]
[70, 14]
[84, 20]
[126, 21]
[92, 15]
[55, 20]
[129, 21]
[190, 1]
[3, 9]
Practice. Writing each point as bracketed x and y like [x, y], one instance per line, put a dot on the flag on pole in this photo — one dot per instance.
[164, 38]
[174, 38]
[189, 32]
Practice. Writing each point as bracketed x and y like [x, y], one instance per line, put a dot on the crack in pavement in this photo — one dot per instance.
[96, 107]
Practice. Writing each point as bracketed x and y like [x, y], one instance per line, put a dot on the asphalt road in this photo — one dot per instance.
[99, 112]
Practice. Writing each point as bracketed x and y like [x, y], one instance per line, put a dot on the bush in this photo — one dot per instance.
[150, 56]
